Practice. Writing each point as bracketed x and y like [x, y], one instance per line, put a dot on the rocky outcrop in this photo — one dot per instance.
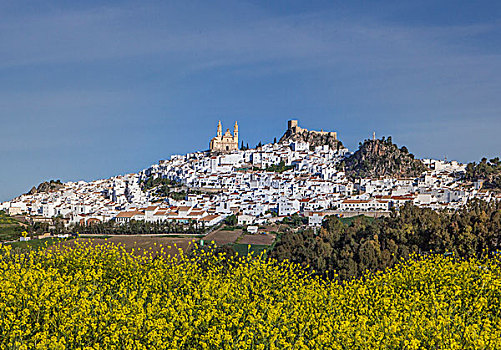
[314, 138]
[377, 158]
[47, 186]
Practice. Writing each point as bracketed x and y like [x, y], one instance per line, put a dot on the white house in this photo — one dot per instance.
[246, 219]
[316, 219]
[288, 207]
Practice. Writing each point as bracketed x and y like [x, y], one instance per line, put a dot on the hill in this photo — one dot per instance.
[381, 157]
[10, 228]
[487, 171]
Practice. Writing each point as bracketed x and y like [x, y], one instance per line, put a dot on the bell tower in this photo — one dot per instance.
[224, 142]
[235, 133]
[219, 129]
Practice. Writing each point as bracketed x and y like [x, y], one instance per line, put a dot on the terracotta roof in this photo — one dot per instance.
[129, 214]
[209, 218]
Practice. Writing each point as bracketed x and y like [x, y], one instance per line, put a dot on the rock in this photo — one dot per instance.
[47, 186]
[380, 158]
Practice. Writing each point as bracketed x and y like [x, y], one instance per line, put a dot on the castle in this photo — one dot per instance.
[226, 142]
[294, 128]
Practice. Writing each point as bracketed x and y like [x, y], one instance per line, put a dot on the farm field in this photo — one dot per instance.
[258, 239]
[35, 244]
[221, 237]
[240, 240]
[139, 244]
[103, 297]
[245, 249]
[10, 228]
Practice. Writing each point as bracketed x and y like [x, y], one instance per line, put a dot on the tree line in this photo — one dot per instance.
[348, 250]
[137, 227]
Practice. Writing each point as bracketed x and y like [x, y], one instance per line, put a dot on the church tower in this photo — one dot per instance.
[235, 133]
[225, 142]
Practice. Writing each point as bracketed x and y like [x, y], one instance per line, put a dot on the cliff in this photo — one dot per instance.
[376, 158]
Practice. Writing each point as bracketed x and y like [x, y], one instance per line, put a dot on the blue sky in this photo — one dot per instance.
[93, 89]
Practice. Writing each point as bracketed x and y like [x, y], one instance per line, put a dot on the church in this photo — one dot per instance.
[226, 142]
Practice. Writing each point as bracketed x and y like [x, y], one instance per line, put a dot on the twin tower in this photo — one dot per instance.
[226, 142]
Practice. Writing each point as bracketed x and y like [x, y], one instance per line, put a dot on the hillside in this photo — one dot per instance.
[47, 186]
[487, 171]
[10, 228]
[381, 157]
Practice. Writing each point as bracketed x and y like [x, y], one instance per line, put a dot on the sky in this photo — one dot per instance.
[94, 89]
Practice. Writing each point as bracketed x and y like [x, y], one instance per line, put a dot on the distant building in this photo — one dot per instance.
[316, 219]
[246, 219]
[294, 128]
[252, 229]
[226, 142]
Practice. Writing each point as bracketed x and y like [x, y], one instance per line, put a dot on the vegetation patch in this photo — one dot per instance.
[104, 297]
[246, 249]
[35, 244]
[347, 249]
[279, 168]
[489, 172]
[10, 228]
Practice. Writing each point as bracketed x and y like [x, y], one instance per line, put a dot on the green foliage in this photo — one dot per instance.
[164, 187]
[35, 244]
[245, 249]
[178, 196]
[231, 220]
[6, 219]
[10, 228]
[159, 181]
[349, 220]
[295, 220]
[138, 227]
[279, 168]
[376, 244]
[376, 158]
[488, 171]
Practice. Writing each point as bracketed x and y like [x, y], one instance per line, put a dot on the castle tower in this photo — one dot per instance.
[235, 133]
[219, 129]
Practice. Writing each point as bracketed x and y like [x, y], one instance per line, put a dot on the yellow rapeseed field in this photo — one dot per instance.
[101, 297]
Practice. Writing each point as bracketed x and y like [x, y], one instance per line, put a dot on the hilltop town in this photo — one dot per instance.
[303, 173]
